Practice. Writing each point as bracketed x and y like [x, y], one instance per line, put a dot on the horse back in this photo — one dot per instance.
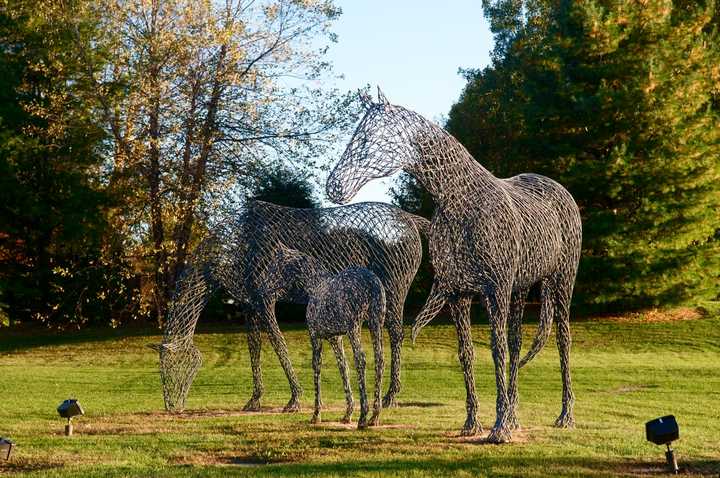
[548, 223]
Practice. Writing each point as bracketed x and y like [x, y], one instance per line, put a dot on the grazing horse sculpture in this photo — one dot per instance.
[492, 237]
[237, 256]
[338, 304]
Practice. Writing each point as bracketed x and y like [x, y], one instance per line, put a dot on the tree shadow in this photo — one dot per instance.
[26, 465]
[492, 465]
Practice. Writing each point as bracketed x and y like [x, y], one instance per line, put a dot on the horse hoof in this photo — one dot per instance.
[499, 435]
[565, 420]
[471, 429]
[389, 401]
[293, 406]
[253, 405]
[513, 424]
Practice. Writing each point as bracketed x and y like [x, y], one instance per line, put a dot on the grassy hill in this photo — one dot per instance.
[626, 371]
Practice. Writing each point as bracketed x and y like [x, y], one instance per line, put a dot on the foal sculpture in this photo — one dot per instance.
[237, 257]
[338, 305]
[489, 237]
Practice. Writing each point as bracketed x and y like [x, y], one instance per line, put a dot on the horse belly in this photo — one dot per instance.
[468, 254]
[540, 251]
[333, 312]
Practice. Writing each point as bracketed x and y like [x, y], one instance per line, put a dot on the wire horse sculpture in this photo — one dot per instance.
[492, 237]
[338, 305]
[237, 256]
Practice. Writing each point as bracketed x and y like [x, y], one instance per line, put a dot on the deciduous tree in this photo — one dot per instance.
[195, 93]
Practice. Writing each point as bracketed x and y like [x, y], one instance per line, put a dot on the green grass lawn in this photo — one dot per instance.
[625, 373]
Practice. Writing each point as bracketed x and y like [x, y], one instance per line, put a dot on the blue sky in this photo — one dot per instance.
[413, 50]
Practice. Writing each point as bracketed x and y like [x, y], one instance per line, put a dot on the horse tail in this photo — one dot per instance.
[433, 305]
[547, 310]
[378, 302]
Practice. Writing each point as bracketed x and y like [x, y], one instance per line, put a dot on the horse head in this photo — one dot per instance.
[179, 364]
[380, 146]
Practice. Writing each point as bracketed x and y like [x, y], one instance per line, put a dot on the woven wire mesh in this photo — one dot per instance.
[239, 255]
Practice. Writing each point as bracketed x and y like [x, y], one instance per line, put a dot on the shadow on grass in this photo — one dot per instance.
[26, 465]
[28, 336]
[420, 404]
[484, 465]
[20, 338]
[481, 464]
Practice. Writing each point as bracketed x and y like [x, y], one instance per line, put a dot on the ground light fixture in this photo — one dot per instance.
[68, 409]
[663, 431]
[5, 447]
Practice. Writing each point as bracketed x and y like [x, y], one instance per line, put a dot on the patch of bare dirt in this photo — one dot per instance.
[249, 458]
[658, 315]
[518, 436]
[19, 464]
[205, 459]
[209, 413]
[353, 425]
[101, 428]
[633, 388]
[420, 404]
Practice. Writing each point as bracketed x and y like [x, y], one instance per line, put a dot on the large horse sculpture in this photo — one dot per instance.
[491, 237]
[238, 256]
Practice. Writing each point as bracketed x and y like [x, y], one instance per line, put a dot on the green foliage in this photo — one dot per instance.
[618, 101]
[284, 187]
[51, 220]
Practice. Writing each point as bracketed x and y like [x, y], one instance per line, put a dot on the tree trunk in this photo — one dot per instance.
[184, 227]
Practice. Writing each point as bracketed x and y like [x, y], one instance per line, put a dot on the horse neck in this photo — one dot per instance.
[447, 170]
[186, 307]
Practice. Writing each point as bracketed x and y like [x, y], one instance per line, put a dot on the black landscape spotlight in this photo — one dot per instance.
[663, 431]
[5, 446]
[68, 409]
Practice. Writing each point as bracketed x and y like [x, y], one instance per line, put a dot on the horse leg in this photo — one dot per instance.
[254, 340]
[563, 295]
[317, 365]
[460, 313]
[280, 346]
[376, 332]
[354, 336]
[498, 304]
[336, 343]
[394, 325]
[517, 306]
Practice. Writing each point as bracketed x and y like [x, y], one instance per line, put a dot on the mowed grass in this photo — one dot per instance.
[625, 372]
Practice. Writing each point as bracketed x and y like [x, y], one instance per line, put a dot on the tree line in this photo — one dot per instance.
[125, 125]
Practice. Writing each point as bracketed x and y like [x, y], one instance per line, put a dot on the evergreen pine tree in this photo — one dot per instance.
[616, 100]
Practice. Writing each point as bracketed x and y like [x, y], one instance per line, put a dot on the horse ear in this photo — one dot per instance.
[365, 99]
[381, 97]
